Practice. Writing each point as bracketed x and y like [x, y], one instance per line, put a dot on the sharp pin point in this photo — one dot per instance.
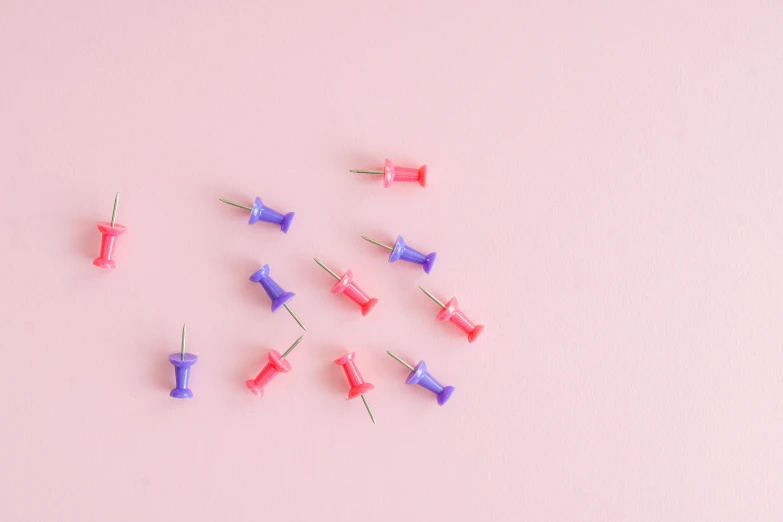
[367, 405]
[411, 368]
[249, 209]
[374, 242]
[114, 211]
[326, 268]
[291, 348]
[184, 332]
[433, 297]
[296, 318]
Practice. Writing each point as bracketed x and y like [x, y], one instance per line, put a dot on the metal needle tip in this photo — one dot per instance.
[235, 204]
[184, 331]
[433, 297]
[359, 171]
[296, 318]
[367, 405]
[374, 242]
[411, 368]
[114, 211]
[291, 348]
[326, 268]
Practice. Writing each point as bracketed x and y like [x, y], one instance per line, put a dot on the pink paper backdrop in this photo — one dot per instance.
[606, 196]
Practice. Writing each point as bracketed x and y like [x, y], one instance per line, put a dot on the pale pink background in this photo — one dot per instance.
[606, 196]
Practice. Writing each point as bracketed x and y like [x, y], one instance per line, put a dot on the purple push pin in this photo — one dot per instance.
[419, 375]
[278, 296]
[182, 362]
[259, 212]
[402, 251]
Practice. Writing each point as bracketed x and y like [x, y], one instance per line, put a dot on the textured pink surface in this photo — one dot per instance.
[605, 193]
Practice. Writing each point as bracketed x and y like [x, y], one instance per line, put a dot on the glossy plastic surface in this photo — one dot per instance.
[263, 213]
[423, 378]
[358, 386]
[108, 241]
[348, 287]
[454, 314]
[402, 251]
[182, 374]
[277, 295]
[392, 173]
[273, 367]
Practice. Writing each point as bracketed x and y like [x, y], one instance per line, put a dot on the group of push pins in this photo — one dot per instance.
[346, 285]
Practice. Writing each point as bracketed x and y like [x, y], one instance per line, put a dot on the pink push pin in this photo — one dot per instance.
[277, 364]
[358, 386]
[451, 312]
[392, 173]
[346, 286]
[110, 232]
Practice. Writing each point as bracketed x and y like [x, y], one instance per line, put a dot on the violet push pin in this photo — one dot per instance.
[259, 212]
[182, 362]
[345, 285]
[392, 173]
[419, 375]
[277, 364]
[358, 386]
[402, 251]
[451, 312]
[278, 296]
[110, 231]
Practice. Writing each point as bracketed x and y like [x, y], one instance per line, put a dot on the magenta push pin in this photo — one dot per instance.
[110, 231]
[182, 362]
[392, 173]
[355, 380]
[451, 312]
[278, 296]
[260, 212]
[419, 375]
[347, 286]
[277, 364]
[400, 250]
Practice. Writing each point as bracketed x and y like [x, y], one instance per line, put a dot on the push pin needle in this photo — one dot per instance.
[367, 405]
[359, 171]
[184, 331]
[236, 204]
[296, 317]
[326, 268]
[114, 211]
[374, 242]
[291, 348]
[433, 298]
[411, 368]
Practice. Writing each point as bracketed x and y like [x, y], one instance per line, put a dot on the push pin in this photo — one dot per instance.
[110, 231]
[392, 173]
[277, 364]
[182, 362]
[358, 386]
[276, 294]
[451, 312]
[259, 212]
[402, 251]
[346, 285]
[419, 375]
